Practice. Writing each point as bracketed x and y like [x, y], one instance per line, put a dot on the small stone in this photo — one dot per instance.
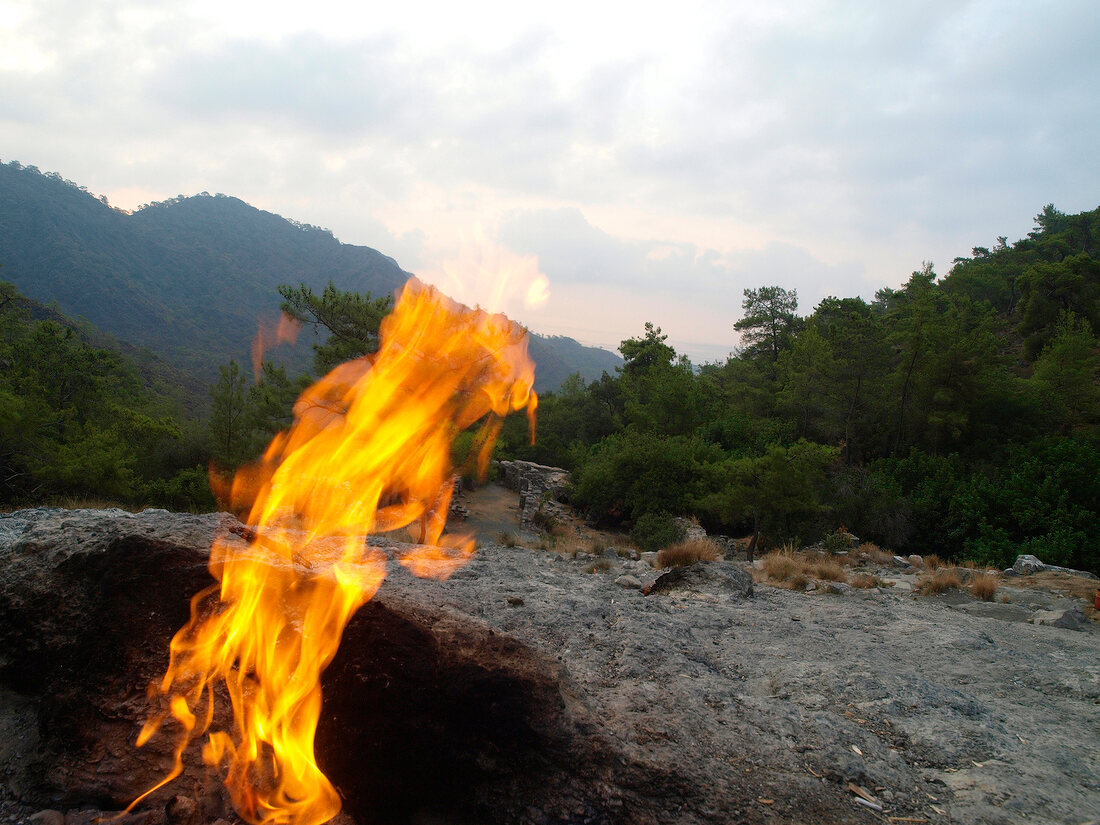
[515, 601]
[610, 553]
[629, 582]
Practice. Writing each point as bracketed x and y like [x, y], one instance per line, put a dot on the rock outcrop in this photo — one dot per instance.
[538, 486]
[1026, 564]
[528, 690]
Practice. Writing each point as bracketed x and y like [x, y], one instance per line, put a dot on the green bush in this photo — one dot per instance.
[655, 530]
[633, 473]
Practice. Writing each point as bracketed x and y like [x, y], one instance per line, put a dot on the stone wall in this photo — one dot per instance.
[537, 485]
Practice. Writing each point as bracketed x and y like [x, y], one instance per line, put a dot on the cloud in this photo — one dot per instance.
[306, 82]
[676, 157]
[604, 288]
[571, 250]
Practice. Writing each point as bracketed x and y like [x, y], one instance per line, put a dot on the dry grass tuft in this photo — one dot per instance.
[865, 581]
[828, 569]
[798, 582]
[933, 563]
[983, 586]
[598, 566]
[787, 566]
[876, 553]
[507, 539]
[781, 565]
[942, 580]
[687, 552]
[572, 547]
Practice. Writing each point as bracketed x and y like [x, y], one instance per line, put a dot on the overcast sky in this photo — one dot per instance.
[649, 160]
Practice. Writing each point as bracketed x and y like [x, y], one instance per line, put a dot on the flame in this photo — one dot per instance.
[491, 275]
[269, 334]
[369, 451]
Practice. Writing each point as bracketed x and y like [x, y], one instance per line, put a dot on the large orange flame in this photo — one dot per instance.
[369, 451]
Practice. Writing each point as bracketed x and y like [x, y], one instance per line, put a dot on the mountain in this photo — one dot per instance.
[557, 357]
[188, 278]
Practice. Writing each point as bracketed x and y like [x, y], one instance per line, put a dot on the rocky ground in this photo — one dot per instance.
[709, 699]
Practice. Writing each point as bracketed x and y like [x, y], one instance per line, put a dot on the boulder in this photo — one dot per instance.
[689, 530]
[1026, 564]
[716, 577]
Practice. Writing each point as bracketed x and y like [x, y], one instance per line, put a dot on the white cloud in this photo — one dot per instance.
[610, 287]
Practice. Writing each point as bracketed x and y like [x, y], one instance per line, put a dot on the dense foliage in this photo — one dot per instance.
[957, 415]
[77, 420]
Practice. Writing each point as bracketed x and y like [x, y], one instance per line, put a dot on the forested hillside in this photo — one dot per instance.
[957, 415]
[189, 278]
[78, 420]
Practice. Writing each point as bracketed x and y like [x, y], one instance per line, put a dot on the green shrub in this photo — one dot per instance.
[838, 540]
[633, 473]
[654, 531]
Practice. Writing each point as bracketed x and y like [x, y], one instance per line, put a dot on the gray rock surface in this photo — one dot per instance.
[559, 696]
[720, 579]
[1026, 564]
[689, 530]
[1069, 618]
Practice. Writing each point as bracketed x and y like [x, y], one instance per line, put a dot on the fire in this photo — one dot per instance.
[284, 331]
[369, 451]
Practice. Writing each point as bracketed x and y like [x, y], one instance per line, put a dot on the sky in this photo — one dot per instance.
[618, 162]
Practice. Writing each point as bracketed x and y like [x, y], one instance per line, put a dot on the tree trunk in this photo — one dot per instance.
[750, 551]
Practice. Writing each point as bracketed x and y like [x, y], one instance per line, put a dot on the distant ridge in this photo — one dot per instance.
[189, 277]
